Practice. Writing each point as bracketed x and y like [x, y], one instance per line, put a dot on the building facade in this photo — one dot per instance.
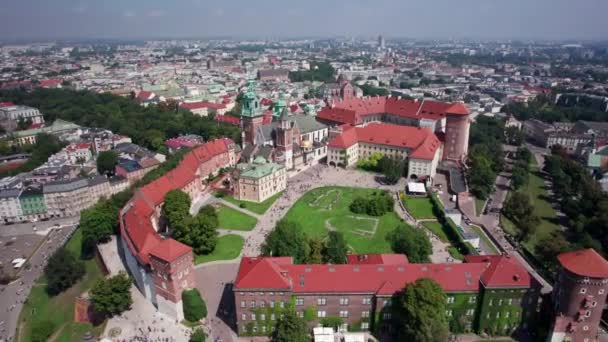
[489, 294]
[579, 296]
[162, 267]
[258, 181]
[450, 120]
[421, 147]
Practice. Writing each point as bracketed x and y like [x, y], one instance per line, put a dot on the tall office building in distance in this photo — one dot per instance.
[381, 42]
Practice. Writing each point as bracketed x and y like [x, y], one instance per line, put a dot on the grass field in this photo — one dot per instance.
[313, 219]
[228, 247]
[258, 208]
[485, 239]
[542, 208]
[437, 229]
[60, 309]
[419, 207]
[233, 219]
[347, 222]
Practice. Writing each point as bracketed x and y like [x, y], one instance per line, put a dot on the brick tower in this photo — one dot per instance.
[171, 266]
[579, 296]
[456, 132]
[251, 114]
[285, 138]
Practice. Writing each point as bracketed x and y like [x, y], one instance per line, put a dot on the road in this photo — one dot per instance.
[491, 220]
[13, 295]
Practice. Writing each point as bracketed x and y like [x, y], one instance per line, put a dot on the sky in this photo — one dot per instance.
[420, 19]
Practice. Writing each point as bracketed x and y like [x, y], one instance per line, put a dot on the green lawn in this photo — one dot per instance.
[485, 239]
[356, 222]
[479, 203]
[233, 219]
[437, 229]
[508, 226]
[419, 207]
[228, 247]
[357, 232]
[60, 309]
[258, 208]
[542, 208]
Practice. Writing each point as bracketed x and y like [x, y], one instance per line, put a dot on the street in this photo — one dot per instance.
[13, 295]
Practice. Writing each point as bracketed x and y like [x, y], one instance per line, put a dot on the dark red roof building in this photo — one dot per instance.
[360, 292]
[162, 267]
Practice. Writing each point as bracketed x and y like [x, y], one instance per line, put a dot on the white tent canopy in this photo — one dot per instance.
[416, 188]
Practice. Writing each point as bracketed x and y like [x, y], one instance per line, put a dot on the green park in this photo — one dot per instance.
[324, 209]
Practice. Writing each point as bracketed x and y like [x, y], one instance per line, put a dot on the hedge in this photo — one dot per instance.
[194, 306]
[451, 229]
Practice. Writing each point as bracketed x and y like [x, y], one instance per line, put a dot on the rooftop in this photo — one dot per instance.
[585, 263]
[382, 274]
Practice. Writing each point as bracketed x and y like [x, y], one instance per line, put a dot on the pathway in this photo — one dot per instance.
[490, 222]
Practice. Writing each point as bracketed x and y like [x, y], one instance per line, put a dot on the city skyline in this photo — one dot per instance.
[436, 19]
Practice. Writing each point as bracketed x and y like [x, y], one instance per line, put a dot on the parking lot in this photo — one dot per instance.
[13, 247]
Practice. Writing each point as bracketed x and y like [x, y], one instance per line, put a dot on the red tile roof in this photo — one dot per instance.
[585, 263]
[228, 119]
[353, 110]
[384, 278]
[6, 104]
[136, 224]
[170, 249]
[387, 259]
[422, 142]
[502, 271]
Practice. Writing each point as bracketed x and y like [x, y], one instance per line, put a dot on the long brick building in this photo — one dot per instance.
[162, 267]
[486, 294]
[424, 132]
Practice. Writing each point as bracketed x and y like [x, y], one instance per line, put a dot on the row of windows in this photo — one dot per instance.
[343, 327]
[343, 301]
[472, 300]
[261, 304]
[469, 312]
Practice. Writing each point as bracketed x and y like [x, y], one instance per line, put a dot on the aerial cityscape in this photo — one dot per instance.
[349, 171]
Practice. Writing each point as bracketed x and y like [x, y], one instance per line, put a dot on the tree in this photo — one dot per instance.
[98, 223]
[290, 328]
[514, 136]
[519, 209]
[392, 169]
[111, 296]
[62, 271]
[42, 330]
[286, 239]
[199, 232]
[315, 251]
[421, 312]
[106, 162]
[194, 306]
[198, 335]
[176, 207]
[411, 242]
[335, 249]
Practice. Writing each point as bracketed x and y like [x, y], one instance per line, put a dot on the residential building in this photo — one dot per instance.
[10, 205]
[63, 129]
[579, 296]
[66, 198]
[486, 294]
[276, 75]
[11, 114]
[258, 181]
[32, 203]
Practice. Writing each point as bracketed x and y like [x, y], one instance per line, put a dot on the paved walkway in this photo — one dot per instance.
[491, 222]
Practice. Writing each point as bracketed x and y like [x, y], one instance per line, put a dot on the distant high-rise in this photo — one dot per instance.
[381, 42]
